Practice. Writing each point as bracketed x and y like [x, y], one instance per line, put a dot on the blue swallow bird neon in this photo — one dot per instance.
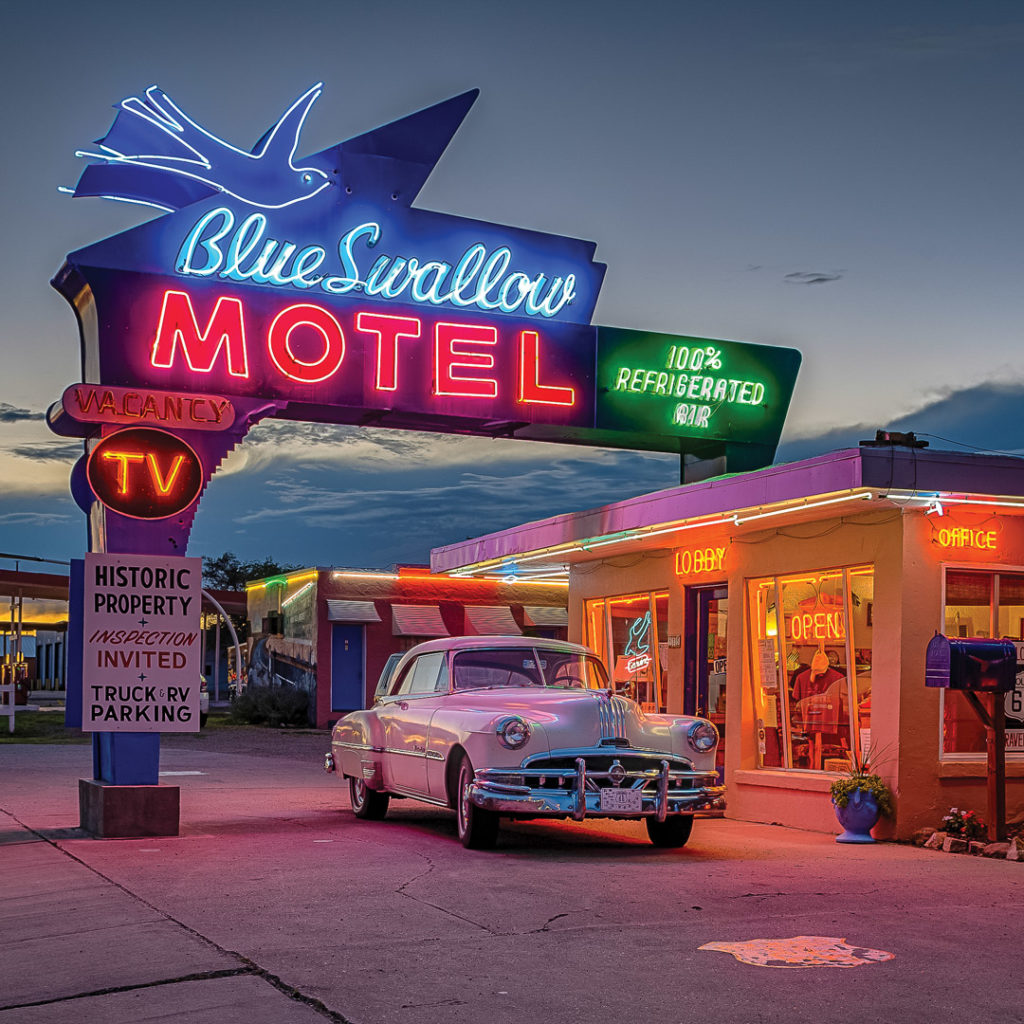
[157, 155]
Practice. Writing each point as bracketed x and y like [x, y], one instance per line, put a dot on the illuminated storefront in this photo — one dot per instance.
[792, 606]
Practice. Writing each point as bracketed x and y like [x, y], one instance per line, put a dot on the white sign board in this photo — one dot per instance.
[1014, 705]
[141, 658]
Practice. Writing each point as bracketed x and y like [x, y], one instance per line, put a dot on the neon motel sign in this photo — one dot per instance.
[313, 289]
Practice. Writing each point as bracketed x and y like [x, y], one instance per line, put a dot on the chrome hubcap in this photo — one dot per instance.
[463, 799]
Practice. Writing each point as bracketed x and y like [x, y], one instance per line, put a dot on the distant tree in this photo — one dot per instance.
[229, 572]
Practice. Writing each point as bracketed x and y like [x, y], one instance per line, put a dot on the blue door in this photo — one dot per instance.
[348, 690]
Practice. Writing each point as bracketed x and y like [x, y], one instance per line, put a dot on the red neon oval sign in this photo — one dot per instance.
[144, 473]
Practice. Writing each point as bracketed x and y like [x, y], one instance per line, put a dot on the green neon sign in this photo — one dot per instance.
[693, 388]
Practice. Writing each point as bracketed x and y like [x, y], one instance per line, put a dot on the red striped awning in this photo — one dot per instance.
[545, 615]
[417, 620]
[491, 620]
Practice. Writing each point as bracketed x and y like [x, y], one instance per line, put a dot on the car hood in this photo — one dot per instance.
[569, 718]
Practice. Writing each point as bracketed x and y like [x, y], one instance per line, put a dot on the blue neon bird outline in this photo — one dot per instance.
[156, 155]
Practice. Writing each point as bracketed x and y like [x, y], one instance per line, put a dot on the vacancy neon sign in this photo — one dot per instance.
[310, 344]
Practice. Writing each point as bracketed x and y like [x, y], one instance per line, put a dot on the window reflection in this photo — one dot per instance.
[812, 668]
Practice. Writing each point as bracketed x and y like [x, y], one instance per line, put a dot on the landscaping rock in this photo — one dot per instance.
[996, 850]
[951, 844]
[1016, 850]
[922, 835]
[936, 840]
[977, 848]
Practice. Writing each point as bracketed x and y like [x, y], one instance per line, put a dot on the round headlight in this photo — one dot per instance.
[703, 736]
[513, 732]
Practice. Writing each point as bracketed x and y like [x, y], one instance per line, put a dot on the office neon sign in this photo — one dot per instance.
[966, 537]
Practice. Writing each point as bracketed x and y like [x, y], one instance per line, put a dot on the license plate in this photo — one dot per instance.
[621, 801]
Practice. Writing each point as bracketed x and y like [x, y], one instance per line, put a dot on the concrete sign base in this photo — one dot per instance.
[107, 811]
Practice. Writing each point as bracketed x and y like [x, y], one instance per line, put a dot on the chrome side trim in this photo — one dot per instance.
[356, 746]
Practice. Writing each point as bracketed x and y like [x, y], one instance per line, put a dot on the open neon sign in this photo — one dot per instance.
[810, 627]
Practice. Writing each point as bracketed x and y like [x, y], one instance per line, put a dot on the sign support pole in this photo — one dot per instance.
[994, 720]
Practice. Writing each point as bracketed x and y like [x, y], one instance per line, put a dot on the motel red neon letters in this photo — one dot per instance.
[306, 343]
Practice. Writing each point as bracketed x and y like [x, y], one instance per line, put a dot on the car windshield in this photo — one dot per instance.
[523, 666]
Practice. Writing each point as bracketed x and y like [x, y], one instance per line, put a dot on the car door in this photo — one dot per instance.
[405, 716]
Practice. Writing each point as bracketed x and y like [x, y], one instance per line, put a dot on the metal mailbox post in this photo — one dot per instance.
[982, 670]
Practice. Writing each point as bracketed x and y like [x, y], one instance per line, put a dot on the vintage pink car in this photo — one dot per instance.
[520, 727]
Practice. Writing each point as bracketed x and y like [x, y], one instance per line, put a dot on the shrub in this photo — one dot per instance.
[842, 789]
[271, 705]
[963, 824]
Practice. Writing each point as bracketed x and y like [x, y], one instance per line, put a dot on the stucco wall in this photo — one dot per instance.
[907, 610]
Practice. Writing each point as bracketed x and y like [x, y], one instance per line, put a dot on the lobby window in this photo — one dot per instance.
[811, 646]
[981, 604]
[630, 633]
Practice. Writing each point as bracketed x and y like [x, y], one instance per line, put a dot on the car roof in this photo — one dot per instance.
[471, 643]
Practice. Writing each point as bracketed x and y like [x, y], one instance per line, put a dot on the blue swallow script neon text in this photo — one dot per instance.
[215, 247]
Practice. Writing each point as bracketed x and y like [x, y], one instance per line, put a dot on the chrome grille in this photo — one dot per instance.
[612, 716]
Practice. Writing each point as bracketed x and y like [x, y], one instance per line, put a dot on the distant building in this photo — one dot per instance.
[330, 631]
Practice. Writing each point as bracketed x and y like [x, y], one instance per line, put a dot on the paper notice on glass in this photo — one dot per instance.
[766, 663]
[771, 711]
[865, 744]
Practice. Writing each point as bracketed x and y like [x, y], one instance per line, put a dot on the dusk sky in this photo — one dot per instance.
[841, 178]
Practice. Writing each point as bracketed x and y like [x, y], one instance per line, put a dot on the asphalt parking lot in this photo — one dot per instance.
[276, 905]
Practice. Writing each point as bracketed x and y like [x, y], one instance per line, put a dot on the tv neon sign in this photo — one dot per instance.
[144, 473]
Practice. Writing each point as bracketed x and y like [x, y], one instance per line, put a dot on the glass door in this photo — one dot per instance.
[704, 693]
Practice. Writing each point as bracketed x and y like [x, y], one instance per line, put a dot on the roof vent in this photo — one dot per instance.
[894, 439]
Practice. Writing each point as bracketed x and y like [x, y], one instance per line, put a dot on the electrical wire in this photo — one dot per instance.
[969, 447]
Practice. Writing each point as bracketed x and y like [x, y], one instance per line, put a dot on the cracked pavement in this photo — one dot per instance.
[276, 905]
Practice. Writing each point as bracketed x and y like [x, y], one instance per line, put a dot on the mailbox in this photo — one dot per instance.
[972, 663]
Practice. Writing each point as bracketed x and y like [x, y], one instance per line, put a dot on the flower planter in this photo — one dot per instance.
[858, 817]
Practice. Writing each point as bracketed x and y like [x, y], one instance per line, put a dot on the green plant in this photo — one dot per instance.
[963, 824]
[842, 789]
[860, 777]
[271, 705]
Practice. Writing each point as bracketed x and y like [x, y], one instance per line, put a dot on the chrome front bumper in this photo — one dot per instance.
[577, 793]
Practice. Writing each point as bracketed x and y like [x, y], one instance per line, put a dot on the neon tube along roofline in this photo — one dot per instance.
[639, 533]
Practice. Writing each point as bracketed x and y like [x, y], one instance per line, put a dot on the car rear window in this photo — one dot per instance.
[522, 666]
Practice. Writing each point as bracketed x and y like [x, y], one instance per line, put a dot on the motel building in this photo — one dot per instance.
[330, 631]
[792, 606]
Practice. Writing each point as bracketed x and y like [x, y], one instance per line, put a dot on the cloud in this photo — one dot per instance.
[274, 444]
[12, 414]
[984, 418]
[813, 277]
[378, 516]
[33, 518]
[53, 452]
